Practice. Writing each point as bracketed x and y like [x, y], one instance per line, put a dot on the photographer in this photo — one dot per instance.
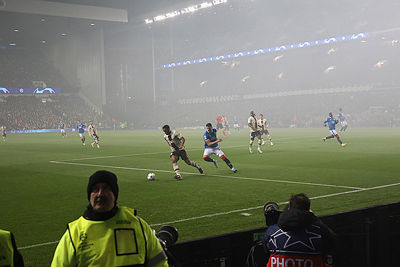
[296, 237]
[108, 235]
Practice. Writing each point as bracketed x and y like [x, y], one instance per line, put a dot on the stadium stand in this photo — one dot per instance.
[21, 68]
[28, 112]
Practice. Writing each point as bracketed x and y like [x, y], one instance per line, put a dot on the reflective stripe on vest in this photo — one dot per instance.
[6, 249]
[119, 241]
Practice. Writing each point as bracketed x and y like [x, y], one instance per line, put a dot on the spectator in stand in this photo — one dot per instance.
[28, 112]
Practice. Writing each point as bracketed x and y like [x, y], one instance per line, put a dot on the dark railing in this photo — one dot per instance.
[368, 237]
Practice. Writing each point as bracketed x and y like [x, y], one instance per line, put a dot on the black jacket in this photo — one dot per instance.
[296, 220]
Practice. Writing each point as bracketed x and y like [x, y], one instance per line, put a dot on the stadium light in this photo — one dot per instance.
[186, 10]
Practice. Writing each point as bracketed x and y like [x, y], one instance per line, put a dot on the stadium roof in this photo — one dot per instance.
[29, 22]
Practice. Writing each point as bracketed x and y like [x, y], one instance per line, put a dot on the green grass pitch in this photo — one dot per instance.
[43, 180]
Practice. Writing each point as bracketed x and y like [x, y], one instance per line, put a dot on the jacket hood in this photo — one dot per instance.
[295, 219]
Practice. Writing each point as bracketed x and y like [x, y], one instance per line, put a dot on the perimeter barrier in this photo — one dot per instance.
[368, 237]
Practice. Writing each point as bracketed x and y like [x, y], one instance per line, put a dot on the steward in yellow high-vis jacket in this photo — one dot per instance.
[107, 235]
[9, 254]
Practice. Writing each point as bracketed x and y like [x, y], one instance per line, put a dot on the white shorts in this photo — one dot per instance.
[81, 135]
[62, 130]
[343, 123]
[236, 125]
[213, 150]
[333, 132]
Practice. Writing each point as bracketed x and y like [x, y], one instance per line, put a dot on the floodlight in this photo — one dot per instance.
[185, 10]
[205, 5]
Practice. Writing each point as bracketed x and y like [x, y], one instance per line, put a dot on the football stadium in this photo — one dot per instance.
[199, 133]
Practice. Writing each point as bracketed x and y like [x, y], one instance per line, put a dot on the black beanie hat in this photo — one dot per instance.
[103, 177]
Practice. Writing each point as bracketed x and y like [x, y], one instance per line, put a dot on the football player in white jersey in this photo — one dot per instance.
[3, 132]
[93, 134]
[262, 123]
[177, 144]
[254, 132]
[225, 123]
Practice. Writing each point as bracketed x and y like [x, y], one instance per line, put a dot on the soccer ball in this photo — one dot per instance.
[151, 176]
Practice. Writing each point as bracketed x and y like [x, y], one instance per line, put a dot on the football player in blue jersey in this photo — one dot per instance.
[81, 131]
[62, 129]
[331, 122]
[342, 121]
[236, 123]
[211, 147]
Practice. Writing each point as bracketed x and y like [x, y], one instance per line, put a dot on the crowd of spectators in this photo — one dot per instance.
[28, 112]
[379, 108]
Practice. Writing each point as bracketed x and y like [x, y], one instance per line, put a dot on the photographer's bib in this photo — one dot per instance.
[294, 261]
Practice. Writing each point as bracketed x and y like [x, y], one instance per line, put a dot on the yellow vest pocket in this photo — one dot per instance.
[125, 241]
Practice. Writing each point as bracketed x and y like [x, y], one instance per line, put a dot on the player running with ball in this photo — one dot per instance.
[331, 122]
[176, 141]
[211, 147]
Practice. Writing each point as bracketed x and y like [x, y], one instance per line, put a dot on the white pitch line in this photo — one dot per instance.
[115, 156]
[212, 175]
[137, 154]
[236, 211]
[258, 207]
[283, 181]
[38, 245]
[277, 141]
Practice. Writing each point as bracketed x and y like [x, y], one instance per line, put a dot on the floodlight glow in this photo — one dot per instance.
[172, 14]
[160, 17]
[269, 50]
[185, 10]
[205, 5]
